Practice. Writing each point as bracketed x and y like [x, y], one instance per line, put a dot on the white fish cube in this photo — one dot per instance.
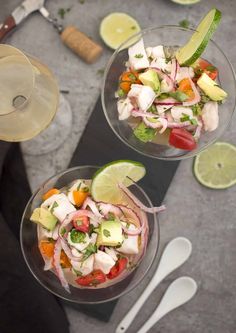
[124, 107]
[161, 64]
[210, 116]
[178, 112]
[130, 244]
[103, 261]
[142, 95]
[85, 267]
[137, 56]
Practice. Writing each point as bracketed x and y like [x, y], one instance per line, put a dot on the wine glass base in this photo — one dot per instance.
[54, 135]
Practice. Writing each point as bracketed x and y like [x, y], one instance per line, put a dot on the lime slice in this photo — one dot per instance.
[186, 2]
[116, 28]
[190, 52]
[106, 179]
[215, 167]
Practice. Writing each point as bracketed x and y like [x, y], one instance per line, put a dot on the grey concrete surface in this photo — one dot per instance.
[206, 217]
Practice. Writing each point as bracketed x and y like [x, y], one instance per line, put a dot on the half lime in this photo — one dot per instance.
[106, 179]
[215, 167]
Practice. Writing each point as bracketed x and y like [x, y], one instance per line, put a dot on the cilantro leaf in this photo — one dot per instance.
[106, 233]
[184, 23]
[139, 55]
[90, 249]
[179, 96]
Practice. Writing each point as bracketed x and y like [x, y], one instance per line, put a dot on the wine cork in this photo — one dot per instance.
[77, 41]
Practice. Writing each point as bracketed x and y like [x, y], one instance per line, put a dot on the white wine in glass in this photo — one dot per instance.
[29, 95]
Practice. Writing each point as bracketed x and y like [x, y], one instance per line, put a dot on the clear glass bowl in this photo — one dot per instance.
[33, 258]
[173, 36]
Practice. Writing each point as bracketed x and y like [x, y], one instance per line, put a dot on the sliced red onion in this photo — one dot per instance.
[57, 265]
[67, 251]
[174, 69]
[106, 208]
[164, 123]
[135, 113]
[167, 101]
[92, 205]
[130, 232]
[178, 125]
[197, 96]
[157, 124]
[138, 203]
[48, 264]
[130, 213]
[197, 133]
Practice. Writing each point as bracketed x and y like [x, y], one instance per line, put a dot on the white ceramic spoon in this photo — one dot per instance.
[175, 254]
[178, 293]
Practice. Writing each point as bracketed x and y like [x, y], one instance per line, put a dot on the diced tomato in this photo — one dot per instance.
[92, 279]
[120, 265]
[127, 79]
[81, 223]
[203, 66]
[182, 139]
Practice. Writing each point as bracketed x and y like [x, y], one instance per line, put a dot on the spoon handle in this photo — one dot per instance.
[127, 320]
[178, 293]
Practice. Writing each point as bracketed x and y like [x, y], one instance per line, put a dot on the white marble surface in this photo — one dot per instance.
[206, 217]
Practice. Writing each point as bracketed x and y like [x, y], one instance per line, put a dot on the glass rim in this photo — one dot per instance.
[130, 288]
[108, 66]
[27, 61]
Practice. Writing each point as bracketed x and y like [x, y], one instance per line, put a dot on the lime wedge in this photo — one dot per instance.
[186, 2]
[215, 167]
[105, 181]
[190, 52]
[116, 28]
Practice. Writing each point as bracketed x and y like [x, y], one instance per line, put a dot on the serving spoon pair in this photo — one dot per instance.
[178, 293]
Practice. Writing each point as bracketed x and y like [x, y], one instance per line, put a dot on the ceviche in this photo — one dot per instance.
[171, 95]
[89, 243]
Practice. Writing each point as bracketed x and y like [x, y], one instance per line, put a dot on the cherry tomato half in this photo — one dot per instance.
[120, 265]
[81, 223]
[92, 279]
[182, 139]
[203, 66]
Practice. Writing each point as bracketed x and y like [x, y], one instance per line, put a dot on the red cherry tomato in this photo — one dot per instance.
[92, 279]
[204, 66]
[182, 139]
[81, 223]
[120, 265]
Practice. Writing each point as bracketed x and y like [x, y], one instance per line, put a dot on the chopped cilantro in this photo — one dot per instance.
[78, 273]
[121, 93]
[85, 189]
[90, 249]
[204, 98]
[62, 12]
[91, 229]
[152, 109]
[77, 236]
[198, 71]
[211, 68]
[111, 216]
[100, 71]
[186, 117]
[196, 110]
[193, 121]
[106, 233]
[139, 55]
[144, 133]
[184, 23]
[163, 96]
[179, 96]
[125, 236]
[132, 77]
[63, 231]
[79, 186]
[55, 204]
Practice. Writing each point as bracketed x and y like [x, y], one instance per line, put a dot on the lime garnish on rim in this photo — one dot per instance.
[215, 167]
[186, 2]
[116, 28]
[190, 52]
[105, 181]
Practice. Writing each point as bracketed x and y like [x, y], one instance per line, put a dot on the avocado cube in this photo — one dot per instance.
[110, 233]
[44, 217]
[151, 79]
[211, 88]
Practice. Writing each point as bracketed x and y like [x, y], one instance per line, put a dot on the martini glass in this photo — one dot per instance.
[171, 37]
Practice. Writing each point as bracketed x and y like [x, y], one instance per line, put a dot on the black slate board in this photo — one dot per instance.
[98, 146]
